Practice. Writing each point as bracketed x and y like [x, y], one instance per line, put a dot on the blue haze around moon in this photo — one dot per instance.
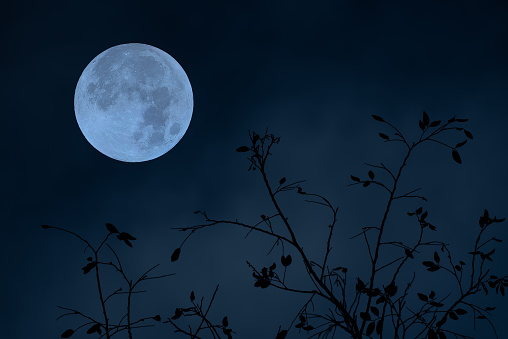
[313, 73]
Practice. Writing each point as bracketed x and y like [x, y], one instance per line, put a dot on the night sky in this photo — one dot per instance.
[311, 72]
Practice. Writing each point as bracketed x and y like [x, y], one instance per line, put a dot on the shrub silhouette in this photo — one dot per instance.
[95, 325]
[380, 304]
[104, 327]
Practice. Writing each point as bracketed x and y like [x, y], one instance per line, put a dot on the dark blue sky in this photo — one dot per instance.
[313, 72]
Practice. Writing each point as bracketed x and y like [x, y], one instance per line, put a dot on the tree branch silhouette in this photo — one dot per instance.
[382, 304]
[198, 311]
[94, 263]
[358, 315]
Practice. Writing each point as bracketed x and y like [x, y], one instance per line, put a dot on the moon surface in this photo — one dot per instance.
[133, 102]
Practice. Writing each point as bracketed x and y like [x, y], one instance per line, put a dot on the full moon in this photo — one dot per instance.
[133, 102]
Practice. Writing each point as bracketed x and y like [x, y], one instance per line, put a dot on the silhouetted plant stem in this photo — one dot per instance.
[330, 233]
[94, 263]
[351, 324]
[474, 256]
[203, 317]
[129, 330]
[391, 198]
[197, 310]
[427, 318]
[380, 236]
[103, 304]
[97, 274]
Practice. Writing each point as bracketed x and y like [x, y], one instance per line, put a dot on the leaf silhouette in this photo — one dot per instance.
[192, 296]
[282, 334]
[424, 215]
[456, 156]
[243, 149]
[355, 178]
[225, 322]
[255, 137]
[371, 174]
[300, 191]
[384, 136]
[468, 134]
[45, 226]
[125, 237]
[374, 310]
[365, 316]
[178, 314]
[425, 118]
[94, 328]
[435, 123]
[423, 297]
[436, 257]
[378, 118]
[370, 328]
[111, 228]
[283, 180]
[175, 255]
[460, 144]
[460, 311]
[67, 334]
[227, 331]
[421, 124]
[157, 317]
[391, 289]
[89, 267]
[286, 261]
[379, 326]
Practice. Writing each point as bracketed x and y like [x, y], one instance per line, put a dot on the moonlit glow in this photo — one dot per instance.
[133, 102]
